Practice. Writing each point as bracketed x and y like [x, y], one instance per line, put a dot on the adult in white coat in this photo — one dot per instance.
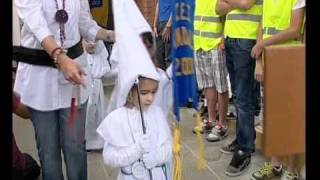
[46, 77]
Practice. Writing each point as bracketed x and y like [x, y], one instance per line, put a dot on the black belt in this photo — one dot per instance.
[41, 57]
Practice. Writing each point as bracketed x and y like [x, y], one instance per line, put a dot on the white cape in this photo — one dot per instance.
[122, 127]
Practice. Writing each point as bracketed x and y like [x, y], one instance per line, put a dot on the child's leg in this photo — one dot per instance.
[223, 107]
[211, 96]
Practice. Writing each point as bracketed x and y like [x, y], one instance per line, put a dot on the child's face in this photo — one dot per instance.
[148, 89]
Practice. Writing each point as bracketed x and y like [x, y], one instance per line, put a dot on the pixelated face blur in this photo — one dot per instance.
[148, 89]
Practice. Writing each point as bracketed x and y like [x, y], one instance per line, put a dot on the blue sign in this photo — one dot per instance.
[95, 3]
[185, 85]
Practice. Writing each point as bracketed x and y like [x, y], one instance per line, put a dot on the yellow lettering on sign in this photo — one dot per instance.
[186, 65]
[183, 11]
[183, 37]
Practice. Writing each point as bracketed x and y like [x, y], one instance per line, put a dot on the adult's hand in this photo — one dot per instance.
[221, 46]
[258, 72]
[110, 36]
[89, 47]
[72, 70]
[257, 50]
[166, 34]
[106, 35]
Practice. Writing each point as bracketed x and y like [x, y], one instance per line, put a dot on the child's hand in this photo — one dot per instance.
[150, 159]
[146, 143]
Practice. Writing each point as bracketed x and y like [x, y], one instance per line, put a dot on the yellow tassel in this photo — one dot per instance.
[176, 153]
[201, 159]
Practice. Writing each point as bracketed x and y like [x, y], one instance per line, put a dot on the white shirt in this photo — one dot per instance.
[299, 4]
[45, 88]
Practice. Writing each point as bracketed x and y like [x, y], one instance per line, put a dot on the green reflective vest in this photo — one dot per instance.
[277, 17]
[207, 25]
[244, 24]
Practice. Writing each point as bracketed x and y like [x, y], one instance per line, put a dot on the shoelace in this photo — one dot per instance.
[266, 169]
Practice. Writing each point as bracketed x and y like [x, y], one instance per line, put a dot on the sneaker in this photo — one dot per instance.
[289, 176]
[218, 133]
[267, 172]
[204, 126]
[239, 163]
[230, 148]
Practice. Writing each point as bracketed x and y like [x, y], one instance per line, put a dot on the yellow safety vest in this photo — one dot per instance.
[244, 24]
[207, 25]
[277, 17]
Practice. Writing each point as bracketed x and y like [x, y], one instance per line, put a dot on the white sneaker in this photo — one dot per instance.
[218, 133]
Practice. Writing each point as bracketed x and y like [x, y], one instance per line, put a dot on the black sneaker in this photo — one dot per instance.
[239, 163]
[230, 148]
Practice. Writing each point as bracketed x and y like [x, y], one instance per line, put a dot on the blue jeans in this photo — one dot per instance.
[241, 71]
[53, 135]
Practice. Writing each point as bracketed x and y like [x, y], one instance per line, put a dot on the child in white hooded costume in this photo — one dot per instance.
[125, 143]
[96, 108]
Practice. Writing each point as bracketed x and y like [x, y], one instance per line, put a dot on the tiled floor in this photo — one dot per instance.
[217, 162]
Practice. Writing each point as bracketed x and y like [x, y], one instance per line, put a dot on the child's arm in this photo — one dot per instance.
[291, 33]
[121, 157]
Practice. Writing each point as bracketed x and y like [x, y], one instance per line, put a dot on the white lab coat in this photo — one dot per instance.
[122, 128]
[45, 88]
[96, 108]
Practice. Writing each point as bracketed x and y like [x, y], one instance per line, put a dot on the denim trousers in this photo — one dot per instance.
[241, 71]
[53, 134]
[163, 51]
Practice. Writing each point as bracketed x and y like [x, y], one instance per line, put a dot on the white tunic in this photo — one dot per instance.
[45, 88]
[122, 128]
[96, 108]
[164, 95]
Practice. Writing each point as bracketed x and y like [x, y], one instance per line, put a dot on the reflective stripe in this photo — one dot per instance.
[207, 19]
[246, 17]
[270, 31]
[259, 2]
[207, 34]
